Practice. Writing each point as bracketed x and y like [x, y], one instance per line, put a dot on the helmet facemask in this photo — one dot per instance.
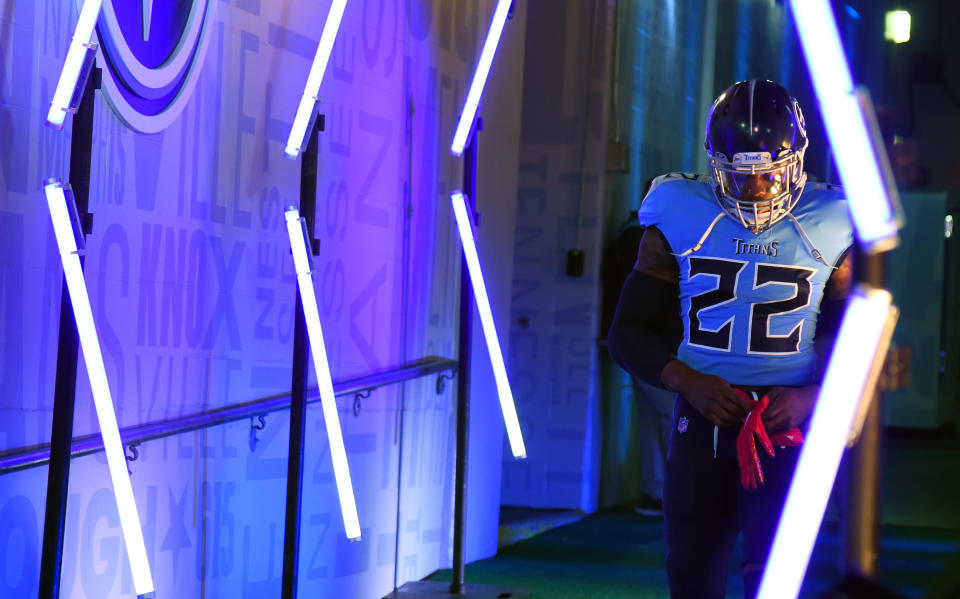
[756, 190]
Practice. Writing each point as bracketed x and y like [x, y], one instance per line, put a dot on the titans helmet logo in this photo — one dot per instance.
[154, 51]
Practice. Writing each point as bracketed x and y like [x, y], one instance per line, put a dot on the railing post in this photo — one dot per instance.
[861, 483]
[458, 583]
[68, 346]
[298, 387]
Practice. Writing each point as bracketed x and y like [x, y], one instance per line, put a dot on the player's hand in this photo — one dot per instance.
[751, 472]
[789, 407]
[710, 395]
[753, 430]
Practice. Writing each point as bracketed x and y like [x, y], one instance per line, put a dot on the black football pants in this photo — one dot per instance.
[705, 507]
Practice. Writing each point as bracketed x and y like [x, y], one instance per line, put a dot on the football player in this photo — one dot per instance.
[754, 260]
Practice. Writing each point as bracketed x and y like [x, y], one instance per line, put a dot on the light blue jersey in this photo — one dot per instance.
[749, 302]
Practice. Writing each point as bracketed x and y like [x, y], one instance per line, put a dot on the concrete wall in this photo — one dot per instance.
[553, 352]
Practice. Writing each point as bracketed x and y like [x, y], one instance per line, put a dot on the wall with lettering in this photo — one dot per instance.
[193, 292]
[553, 350]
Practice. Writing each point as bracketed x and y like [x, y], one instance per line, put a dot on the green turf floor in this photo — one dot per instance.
[617, 553]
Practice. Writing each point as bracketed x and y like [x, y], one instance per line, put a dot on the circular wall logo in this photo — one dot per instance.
[153, 51]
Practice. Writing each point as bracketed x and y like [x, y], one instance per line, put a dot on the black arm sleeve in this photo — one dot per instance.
[646, 327]
[828, 323]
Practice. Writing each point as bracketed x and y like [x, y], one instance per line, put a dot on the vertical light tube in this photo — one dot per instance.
[469, 112]
[341, 471]
[507, 406]
[311, 92]
[861, 161]
[851, 377]
[57, 202]
[73, 65]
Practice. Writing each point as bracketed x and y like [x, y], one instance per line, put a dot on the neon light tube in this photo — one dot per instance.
[306, 111]
[61, 208]
[873, 200]
[469, 112]
[850, 380]
[296, 230]
[507, 406]
[73, 66]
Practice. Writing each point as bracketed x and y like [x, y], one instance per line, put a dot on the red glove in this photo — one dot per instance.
[751, 473]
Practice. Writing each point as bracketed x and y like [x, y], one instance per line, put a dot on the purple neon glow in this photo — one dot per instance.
[318, 349]
[851, 377]
[73, 64]
[507, 405]
[469, 112]
[57, 203]
[311, 92]
[873, 204]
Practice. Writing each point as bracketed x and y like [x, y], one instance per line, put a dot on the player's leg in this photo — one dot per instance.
[760, 513]
[700, 511]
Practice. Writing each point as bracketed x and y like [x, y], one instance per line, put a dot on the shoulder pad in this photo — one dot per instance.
[677, 176]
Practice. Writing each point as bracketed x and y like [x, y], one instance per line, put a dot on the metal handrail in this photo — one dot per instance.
[36, 455]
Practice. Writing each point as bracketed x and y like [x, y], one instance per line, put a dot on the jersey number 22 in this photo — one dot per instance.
[760, 340]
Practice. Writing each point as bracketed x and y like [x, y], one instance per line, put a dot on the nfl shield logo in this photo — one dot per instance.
[682, 424]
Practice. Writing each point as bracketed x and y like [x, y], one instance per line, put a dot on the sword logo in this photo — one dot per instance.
[146, 11]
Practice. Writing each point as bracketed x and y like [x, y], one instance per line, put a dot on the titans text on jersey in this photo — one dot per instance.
[746, 247]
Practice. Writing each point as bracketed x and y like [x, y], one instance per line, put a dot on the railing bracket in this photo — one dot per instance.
[132, 456]
[365, 394]
[442, 382]
[254, 427]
